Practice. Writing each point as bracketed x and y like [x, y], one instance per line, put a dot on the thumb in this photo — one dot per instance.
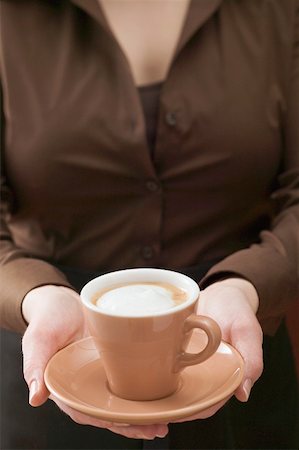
[37, 349]
[248, 341]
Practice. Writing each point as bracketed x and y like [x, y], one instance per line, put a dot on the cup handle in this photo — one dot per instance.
[213, 332]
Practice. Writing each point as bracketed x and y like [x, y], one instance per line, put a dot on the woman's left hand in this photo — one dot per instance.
[233, 303]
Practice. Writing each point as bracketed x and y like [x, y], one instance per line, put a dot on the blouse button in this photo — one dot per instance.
[152, 186]
[171, 118]
[147, 252]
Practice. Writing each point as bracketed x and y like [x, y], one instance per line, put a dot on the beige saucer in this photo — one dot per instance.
[75, 375]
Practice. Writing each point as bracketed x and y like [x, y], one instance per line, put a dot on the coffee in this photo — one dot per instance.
[139, 299]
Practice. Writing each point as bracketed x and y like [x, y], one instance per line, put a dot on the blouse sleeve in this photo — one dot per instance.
[272, 265]
[19, 273]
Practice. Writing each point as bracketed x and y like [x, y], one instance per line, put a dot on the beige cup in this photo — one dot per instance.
[143, 356]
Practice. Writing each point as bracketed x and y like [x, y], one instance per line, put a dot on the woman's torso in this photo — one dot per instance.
[87, 191]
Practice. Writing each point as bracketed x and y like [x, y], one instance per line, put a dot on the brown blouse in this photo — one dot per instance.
[149, 97]
[79, 186]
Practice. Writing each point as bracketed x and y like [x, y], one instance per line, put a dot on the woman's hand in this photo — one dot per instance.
[56, 319]
[232, 303]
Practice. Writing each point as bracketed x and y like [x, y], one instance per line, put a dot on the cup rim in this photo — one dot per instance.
[165, 275]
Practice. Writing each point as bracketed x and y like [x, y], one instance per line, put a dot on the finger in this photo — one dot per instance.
[247, 338]
[130, 431]
[147, 432]
[37, 349]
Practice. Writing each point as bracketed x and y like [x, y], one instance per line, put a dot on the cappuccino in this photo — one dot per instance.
[139, 299]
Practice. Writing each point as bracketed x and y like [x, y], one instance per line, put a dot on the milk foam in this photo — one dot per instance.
[136, 300]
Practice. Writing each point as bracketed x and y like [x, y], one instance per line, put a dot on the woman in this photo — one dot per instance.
[160, 134]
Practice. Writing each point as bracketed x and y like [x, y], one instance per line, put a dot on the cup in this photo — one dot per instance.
[142, 345]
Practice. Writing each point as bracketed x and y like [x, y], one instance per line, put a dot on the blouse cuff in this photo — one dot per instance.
[18, 278]
[270, 274]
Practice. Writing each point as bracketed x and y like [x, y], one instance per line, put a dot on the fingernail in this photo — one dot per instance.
[33, 391]
[247, 388]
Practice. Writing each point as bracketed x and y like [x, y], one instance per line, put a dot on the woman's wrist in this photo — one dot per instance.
[245, 287]
[33, 299]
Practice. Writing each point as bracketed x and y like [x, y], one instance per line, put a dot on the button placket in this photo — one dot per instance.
[148, 226]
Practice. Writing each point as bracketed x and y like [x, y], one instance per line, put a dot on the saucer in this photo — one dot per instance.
[75, 375]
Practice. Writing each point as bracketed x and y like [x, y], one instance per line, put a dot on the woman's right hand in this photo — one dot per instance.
[55, 317]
